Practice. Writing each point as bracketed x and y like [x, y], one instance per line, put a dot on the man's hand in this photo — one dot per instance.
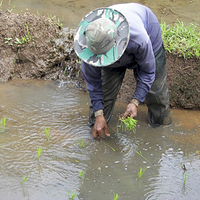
[131, 111]
[100, 126]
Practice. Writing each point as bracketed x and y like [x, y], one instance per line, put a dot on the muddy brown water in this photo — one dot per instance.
[111, 166]
[70, 12]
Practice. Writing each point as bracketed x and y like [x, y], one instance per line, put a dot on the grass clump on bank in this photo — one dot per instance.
[181, 39]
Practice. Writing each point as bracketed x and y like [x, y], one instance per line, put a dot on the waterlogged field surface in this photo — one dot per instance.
[70, 12]
[110, 166]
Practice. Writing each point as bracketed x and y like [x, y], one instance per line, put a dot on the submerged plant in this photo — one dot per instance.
[140, 154]
[2, 124]
[25, 178]
[81, 175]
[184, 177]
[109, 146]
[141, 172]
[1, 3]
[81, 142]
[128, 124]
[47, 133]
[116, 196]
[71, 195]
[39, 152]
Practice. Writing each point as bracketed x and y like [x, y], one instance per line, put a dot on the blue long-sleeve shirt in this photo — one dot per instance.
[145, 40]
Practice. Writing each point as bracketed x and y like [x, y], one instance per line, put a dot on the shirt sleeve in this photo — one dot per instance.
[145, 70]
[92, 76]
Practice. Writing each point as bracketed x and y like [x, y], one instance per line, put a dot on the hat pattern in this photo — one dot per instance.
[102, 60]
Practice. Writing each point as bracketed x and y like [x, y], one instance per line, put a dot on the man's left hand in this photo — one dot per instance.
[131, 111]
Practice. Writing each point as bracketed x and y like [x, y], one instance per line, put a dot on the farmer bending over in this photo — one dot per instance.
[111, 40]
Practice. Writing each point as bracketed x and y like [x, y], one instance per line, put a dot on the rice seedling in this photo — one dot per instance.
[81, 142]
[128, 124]
[2, 124]
[141, 172]
[140, 154]
[47, 133]
[1, 3]
[24, 180]
[71, 195]
[39, 152]
[81, 175]
[116, 196]
[109, 146]
[184, 177]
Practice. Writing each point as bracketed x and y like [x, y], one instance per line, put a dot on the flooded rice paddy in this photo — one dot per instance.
[109, 167]
[99, 169]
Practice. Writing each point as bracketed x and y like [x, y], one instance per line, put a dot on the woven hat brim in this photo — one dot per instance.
[114, 54]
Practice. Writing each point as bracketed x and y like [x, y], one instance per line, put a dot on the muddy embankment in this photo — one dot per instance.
[34, 46]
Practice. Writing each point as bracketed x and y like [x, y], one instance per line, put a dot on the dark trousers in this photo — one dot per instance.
[157, 99]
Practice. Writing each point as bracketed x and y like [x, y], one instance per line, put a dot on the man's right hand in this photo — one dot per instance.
[100, 126]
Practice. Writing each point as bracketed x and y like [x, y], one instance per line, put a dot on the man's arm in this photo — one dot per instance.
[92, 76]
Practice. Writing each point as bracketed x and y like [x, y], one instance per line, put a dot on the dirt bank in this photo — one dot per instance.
[34, 46]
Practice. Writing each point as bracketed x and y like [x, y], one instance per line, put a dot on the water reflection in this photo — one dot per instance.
[71, 12]
[111, 166]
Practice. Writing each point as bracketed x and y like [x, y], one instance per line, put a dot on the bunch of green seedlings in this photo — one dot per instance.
[181, 39]
[128, 124]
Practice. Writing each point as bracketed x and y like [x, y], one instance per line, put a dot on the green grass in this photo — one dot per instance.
[180, 39]
[128, 124]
